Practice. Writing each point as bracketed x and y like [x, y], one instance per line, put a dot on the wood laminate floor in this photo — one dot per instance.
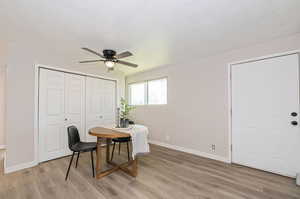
[164, 173]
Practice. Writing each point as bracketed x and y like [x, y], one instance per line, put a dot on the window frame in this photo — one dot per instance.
[146, 93]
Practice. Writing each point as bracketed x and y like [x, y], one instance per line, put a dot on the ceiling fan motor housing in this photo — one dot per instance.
[109, 54]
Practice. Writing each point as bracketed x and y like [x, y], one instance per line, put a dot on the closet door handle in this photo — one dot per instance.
[294, 123]
[66, 119]
[294, 114]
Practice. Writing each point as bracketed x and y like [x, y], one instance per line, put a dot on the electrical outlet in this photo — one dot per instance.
[167, 138]
[213, 147]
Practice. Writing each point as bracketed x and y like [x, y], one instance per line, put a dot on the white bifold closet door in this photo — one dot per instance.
[265, 114]
[61, 104]
[100, 104]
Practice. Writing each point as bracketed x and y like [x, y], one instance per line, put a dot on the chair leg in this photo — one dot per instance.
[119, 147]
[70, 166]
[77, 159]
[112, 153]
[128, 151]
[92, 159]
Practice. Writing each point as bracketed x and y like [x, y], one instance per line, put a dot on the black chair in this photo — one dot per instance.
[122, 140]
[77, 146]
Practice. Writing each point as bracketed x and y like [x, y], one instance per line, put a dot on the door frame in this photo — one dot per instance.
[229, 86]
[37, 67]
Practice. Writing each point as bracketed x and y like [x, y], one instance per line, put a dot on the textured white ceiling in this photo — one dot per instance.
[158, 32]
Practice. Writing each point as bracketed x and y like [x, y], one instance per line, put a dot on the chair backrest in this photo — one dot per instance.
[131, 122]
[73, 136]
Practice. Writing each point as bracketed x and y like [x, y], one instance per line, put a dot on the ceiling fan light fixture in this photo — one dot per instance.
[109, 64]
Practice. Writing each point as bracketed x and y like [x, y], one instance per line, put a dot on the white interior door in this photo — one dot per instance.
[61, 104]
[94, 105]
[265, 93]
[109, 102]
[100, 103]
[75, 103]
[51, 115]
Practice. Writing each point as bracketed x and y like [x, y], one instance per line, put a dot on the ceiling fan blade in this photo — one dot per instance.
[90, 61]
[127, 63]
[123, 55]
[92, 51]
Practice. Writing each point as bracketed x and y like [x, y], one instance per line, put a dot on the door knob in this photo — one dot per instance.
[294, 114]
[294, 123]
[66, 119]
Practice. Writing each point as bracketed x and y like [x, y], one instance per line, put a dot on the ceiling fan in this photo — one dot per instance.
[110, 58]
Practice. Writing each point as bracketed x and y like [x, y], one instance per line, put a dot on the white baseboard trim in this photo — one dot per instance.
[192, 151]
[19, 167]
[2, 146]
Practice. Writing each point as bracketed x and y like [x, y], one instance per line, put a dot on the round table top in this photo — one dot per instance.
[103, 132]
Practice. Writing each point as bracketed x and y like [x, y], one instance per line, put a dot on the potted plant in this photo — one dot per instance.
[124, 113]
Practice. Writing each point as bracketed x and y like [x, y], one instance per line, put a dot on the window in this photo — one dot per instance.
[148, 92]
[157, 91]
[137, 93]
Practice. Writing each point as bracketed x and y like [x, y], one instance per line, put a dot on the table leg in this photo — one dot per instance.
[108, 142]
[135, 167]
[124, 167]
[98, 161]
[99, 173]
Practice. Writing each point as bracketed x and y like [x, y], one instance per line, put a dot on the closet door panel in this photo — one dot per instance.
[94, 105]
[109, 102]
[61, 104]
[75, 104]
[51, 115]
[100, 103]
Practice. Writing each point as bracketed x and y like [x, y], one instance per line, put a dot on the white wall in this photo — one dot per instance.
[2, 106]
[3, 60]
[20, 94]
[196, 115]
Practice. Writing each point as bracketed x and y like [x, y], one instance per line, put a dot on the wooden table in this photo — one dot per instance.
[108, 134]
